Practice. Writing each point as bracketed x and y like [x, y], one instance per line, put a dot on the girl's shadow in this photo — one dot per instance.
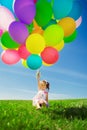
[68, 113]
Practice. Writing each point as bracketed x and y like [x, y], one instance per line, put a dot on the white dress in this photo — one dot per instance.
[39, 97]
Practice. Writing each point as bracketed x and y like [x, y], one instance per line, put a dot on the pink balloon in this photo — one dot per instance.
[1, 32]
[23, 52]
[50, 55]
[78, 22]
[10, 57]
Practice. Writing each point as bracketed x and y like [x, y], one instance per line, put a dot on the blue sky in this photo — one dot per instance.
[68, 77]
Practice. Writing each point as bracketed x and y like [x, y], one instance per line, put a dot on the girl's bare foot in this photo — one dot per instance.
[38, 106]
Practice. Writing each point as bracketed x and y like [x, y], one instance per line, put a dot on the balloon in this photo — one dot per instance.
[8, 42]
[35, 43]
[35, 1]
[71, 37]
[24, 63]
[40, 31]
[36, 25]
[43, 12]
[61, 8]
[6, 18]
[10, 57]
[52, 21]
[34, 62]
[53, 35]
[68, 24]
[3, 47]
[18, 32]
[25, 10]
[78, 22]
[60, 46]
[37, 29]
[49, 0]
[50, 55]
[45, 64]
[8, 4]
[1, 32]
[30, 27]
[23, 52]
[75, 13]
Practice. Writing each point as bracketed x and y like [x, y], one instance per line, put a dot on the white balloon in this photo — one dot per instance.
[78, 22]
[6, 18]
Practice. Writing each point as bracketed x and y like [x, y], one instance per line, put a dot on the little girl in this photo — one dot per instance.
[42, 96]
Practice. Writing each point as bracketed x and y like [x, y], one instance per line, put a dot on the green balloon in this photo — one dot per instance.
[53, 35]
[71, 38]
[8, 42]
[30, 27]
[52, 21]
[43, 12]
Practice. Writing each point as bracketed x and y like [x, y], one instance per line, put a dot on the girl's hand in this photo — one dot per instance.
[38, 75]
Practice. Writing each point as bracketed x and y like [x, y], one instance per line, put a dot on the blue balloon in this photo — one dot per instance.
[75, 13]
[34, 61]
[8, 4]
[49, 0]
[61, 8]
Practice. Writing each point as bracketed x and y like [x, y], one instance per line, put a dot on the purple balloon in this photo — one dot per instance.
[25, 10]
[18, 32]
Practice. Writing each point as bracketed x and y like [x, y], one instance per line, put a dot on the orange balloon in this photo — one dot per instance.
[37, 29]
[68, 24]
[40, 31]
[36, 25]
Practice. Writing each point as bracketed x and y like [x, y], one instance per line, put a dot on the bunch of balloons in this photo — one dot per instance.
[34, 31]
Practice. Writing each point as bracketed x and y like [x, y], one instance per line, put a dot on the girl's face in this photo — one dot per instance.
[42, 85]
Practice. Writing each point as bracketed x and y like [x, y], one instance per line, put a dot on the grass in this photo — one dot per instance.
[61, 115]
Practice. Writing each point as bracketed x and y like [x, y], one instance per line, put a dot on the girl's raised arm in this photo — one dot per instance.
[38, 78]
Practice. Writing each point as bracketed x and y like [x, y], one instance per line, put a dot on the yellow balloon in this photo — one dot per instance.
[45, 64]
[53, 34]
[53, 16]
[24, 64]
[59, 46]
[57, 20]
[35, 43]
[3, 47]
[68, 24]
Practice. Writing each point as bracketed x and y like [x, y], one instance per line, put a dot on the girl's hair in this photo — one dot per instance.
[47, 84]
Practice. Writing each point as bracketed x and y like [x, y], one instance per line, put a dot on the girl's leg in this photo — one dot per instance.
[38, 105]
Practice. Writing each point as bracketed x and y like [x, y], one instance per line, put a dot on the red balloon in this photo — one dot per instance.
[23, 52]
[50, 55]
[35, 1]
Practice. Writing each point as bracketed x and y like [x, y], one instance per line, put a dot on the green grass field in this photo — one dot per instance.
[61, 115]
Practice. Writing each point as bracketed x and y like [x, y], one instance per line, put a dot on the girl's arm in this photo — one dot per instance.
[47, 97]
[38, 78]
